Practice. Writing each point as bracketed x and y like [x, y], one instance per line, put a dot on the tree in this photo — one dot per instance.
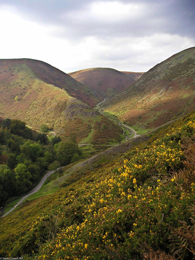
[17, 127]
[7, 183]
[11, 162]
[44, 128]
[23, 177]
[3, 194]
[48, 156]
[66, 150]
[2, 136]
[54, 165]
[27, 133]
[42, 163]
[55, 140]
[32, 150]
[42, 138]
[22, 172]
[6, 123]
[12, 145]
[35, 172]
[21, 158]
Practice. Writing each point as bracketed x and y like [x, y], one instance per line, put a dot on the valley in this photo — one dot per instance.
[105, 159]
[165, 92]
[38, 93]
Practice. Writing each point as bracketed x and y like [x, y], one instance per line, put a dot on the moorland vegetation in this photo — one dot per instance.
[138, 206]
[160, 95]
[39, 94]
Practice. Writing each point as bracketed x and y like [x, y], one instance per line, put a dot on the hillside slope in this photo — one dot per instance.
[163, 93]
[134, 75]
[138, 206]
[37, 93]
[104, 82]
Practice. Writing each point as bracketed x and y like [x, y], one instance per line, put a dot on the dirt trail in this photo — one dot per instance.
[37, 188]
[131, 129]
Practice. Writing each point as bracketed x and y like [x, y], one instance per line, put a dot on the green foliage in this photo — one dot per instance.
[23, 177]
[17, 127]
[35, 172]
[42, 138]
[54, 165]
[66, 151]
[16, 98]
[44, 128]
[27, 133]
[7, 182]
[6, 123]
[23, 161]
[55, 140]
[31, 150]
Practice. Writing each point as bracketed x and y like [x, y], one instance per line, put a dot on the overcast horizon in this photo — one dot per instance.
[125, 35]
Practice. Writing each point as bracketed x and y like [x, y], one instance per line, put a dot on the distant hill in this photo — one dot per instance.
[38, 93]
[134, 75]
[49, 75]
[104, 82]
[165, 92]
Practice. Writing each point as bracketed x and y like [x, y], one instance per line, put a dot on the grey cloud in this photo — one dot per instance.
[75, 22]
[170, 16]
[180, 16]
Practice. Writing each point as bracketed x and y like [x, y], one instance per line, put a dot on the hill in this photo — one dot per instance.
[138, 206]
[38, 93]
[165, 92]
[134, 75]
[104, 82]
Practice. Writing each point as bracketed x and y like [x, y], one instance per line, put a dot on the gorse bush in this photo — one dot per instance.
[140, 206]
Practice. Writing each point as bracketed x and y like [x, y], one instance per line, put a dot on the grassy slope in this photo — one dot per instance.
[104, 82]
[160, 95]
[55, 77]
[28, 95]
[138, 205]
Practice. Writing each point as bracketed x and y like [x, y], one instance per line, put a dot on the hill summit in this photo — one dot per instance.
[165, 92]
[105, 82]
[37, 93]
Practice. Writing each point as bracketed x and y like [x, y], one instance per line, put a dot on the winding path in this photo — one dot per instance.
[37, 188]
[131, 129]
[117, 149]
[101, 111]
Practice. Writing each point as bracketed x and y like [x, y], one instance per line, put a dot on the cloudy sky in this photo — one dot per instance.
[130, 35]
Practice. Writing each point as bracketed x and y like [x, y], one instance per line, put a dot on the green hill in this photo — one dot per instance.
[138, 206]
[38, 93]
[165, 92]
